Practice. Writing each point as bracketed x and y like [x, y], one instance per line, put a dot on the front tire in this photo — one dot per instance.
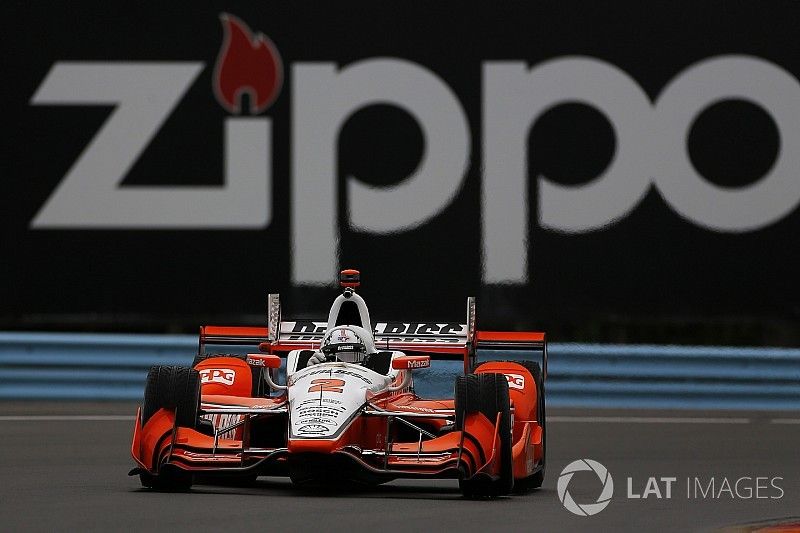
[178, 388]
[172, 387]
[487, 394]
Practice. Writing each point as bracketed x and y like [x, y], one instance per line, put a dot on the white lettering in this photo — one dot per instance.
[322, 101]
[650, 150]
[515, 381]
[224, 376]
[650, 147]
[145, 94]
[631, 495]
[668, 481]
[710, 206]
[514, 97]
[651, 489]
[704, 492]
[772, 482]
[760, 486]
[748, 490]
[725, 486]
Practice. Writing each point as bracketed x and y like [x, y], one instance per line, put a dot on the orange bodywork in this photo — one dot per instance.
[225, 375]
[527, 448]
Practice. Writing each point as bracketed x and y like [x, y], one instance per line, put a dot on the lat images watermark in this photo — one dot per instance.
[586, 509]
[700, 488]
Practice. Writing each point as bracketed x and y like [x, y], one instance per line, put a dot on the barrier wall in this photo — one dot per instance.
[113, 367]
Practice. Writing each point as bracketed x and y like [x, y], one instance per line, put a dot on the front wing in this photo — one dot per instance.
[454, 454]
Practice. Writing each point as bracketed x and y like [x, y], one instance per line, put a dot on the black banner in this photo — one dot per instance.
[576, 166]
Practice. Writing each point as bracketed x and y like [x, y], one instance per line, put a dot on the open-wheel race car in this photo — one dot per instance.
[334, 401]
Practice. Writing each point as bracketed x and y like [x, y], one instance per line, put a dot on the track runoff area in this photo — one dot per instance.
[64, 467]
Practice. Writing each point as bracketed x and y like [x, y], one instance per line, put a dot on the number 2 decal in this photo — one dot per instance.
[326, 385]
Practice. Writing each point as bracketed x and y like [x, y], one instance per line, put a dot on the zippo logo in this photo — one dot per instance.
[515, 381]
[586, 509]
[650, 151]
[223, 376]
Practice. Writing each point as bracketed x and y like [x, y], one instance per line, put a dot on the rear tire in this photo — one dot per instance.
[487, 394]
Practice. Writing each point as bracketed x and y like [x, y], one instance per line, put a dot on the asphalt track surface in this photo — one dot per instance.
[63, 467]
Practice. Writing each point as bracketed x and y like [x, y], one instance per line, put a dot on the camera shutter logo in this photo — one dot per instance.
[586, 509]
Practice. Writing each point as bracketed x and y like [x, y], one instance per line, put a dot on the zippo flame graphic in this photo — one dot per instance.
[246, 64]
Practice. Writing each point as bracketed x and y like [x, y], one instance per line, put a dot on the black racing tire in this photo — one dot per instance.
[534, 481]
[488, 394]
[467, 394]
[172, 387]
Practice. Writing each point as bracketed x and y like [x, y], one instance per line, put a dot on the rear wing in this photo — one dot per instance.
[439, 337]
[440, 340]
[448, 340]
[513, 345]
[231, 336]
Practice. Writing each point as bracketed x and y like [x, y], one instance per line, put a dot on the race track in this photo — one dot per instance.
[64, 468]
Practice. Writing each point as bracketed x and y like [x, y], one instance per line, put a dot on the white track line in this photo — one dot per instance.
[57, 418]
[646, 420]
[785, 421]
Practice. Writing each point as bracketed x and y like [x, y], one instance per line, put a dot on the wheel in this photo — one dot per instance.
[467, 393]
[487, 394]
[172, 387]
[534, 481]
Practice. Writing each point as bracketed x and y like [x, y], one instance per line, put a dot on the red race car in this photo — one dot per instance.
[335, 401]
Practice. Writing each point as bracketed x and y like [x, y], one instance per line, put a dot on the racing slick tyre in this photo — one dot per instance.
[534, 481]
[171, 387]
[487, 394]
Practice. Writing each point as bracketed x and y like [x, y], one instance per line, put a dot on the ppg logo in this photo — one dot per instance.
[586, 509]
[223, 376]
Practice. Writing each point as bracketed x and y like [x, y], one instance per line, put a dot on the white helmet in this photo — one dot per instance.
[349, 344]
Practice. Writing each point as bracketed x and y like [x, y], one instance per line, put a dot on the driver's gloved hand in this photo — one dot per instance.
[316, 359]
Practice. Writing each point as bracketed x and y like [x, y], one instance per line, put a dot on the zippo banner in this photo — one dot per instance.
[565, 161]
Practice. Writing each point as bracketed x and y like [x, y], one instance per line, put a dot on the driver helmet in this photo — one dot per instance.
[346, 344]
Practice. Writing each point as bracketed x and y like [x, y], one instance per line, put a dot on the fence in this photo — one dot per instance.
[113, 367]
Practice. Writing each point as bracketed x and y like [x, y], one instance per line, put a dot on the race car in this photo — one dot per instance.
[331, 402]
